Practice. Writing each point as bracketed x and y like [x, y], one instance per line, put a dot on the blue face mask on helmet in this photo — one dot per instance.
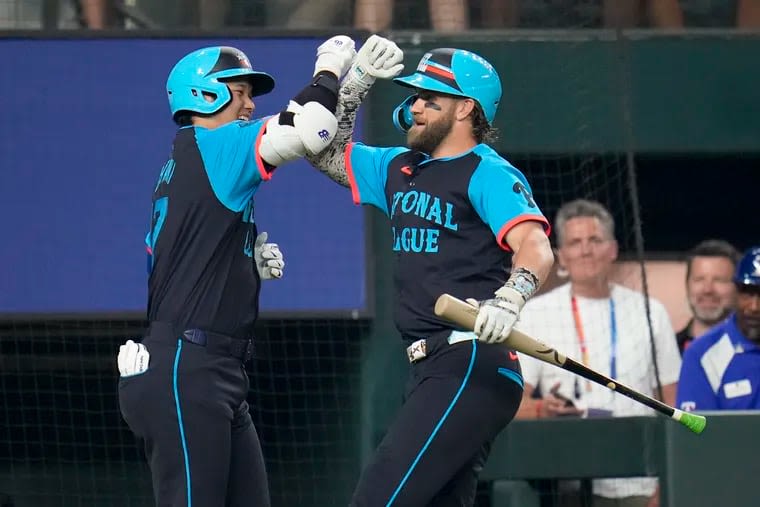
[205, 71]
[454, 72]
[748, 270]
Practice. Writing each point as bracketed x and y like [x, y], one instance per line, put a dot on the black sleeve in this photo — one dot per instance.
[323, 89]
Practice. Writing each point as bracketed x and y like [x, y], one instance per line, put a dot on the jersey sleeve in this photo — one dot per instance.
[694, 391]
[367, 170]
[231, 157]
[503, 198]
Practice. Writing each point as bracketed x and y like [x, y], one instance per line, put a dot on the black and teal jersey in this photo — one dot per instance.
[202, 232]
[449, 219]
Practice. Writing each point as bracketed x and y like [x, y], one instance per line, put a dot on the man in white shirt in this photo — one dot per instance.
[605, 326]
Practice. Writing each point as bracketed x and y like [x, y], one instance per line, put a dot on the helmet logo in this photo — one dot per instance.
[423, 63]
[244, 62]
[756, 265]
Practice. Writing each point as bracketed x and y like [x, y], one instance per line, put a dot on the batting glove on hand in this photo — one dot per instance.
[377, 58]
[497, 316]
[269, 261]
[133, 359]
[335, 55]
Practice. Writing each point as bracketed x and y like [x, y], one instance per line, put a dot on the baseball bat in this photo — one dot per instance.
[464, 314]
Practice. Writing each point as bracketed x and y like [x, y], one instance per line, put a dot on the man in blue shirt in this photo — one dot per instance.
[721, 369]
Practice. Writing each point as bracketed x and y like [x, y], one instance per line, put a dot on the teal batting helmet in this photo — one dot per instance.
[455, 72]
[205, 71]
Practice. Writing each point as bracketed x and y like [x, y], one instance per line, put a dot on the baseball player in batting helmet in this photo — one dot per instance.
[183, 388]
[464, 222]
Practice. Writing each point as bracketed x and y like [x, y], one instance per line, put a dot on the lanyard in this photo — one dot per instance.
[582, 337]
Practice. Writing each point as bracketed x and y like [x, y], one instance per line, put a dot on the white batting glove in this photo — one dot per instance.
[497, 316]
[335, 55]
[133, 359]
[377, 58]
[269, 261]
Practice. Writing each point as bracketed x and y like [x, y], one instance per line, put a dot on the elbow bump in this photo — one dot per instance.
[316, 126]
[307, 130]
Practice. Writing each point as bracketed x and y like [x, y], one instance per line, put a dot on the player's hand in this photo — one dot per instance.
[133, 359]
[378, 58]
[335, 55]
[497, 316]
[269, 261]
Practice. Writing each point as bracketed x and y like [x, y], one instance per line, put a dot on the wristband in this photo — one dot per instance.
[523, 282]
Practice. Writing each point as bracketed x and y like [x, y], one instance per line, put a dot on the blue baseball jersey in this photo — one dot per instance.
[449, 218]
[200, 242]
[720, 371]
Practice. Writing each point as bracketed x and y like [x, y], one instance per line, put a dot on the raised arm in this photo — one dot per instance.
[377, 58]
[308, 123]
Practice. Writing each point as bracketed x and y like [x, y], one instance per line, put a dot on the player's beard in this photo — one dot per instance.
[427, 138]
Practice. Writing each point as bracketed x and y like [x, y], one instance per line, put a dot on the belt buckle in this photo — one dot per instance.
[417, 350]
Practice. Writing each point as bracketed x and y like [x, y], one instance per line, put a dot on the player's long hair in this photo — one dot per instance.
[483, 132]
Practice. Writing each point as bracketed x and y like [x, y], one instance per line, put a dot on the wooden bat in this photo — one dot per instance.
[464, 314]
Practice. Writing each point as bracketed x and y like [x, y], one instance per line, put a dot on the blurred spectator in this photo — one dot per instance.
[721, 369]
[573, 14]
[494, 14]
[709, 287]
[95, 13]
[305, 14]
[606, 327]
[212, 14]
[445, 15]
[748, 14]
[28, 15]
[632, 13]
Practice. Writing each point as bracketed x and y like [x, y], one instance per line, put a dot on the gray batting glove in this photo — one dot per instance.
[497, 316]
[133, 359]
[378, 58]
[269, 260]
[335, 55]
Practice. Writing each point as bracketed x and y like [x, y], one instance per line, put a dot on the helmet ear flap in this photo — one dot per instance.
[402, 115]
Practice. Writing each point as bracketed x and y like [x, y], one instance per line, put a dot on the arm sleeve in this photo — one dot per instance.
[367, 169]
[502, 198]
[668, 357]
[231, 157]
[694, 391]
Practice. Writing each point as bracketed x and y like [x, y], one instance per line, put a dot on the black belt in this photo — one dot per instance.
[215, 343]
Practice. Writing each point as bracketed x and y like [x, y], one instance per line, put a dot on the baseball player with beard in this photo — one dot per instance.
[458, 212]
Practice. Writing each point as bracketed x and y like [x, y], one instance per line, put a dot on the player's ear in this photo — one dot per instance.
[464, 108]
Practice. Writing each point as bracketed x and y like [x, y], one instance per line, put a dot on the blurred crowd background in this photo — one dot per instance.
[376, 15]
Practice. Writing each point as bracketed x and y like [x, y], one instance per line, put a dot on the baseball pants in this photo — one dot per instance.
[458, 398]
[189, 409]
